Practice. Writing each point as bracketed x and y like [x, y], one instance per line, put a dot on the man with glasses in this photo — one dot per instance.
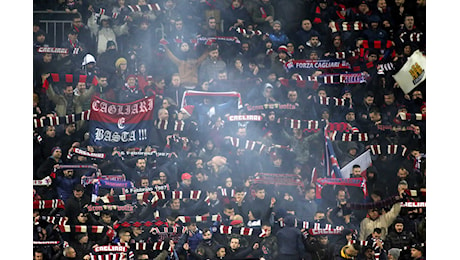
[84, 34]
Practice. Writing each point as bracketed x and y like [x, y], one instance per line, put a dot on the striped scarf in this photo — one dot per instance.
[153, 196]
[48, 204]
[93, 229]
[333, 78]
[243, 231]
[248, 145]
[377, 44]
[51, 219]
[68, 78]
[354, 182]
[307, 125]
[349, 137]
[346, 26]
[155, 246]
[378, 149]
[43, 182]
[58, 120]
[394, 128]
[144, 8]
[411, 117]
[82, 152]
[200, 219]
[116, 256]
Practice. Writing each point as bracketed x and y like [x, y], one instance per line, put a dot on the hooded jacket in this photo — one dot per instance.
[290, 240]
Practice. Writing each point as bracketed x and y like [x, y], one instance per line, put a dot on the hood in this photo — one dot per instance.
[88, 59]
[289, 220]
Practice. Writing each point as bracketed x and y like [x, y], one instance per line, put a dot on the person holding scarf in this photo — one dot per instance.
[130, 91]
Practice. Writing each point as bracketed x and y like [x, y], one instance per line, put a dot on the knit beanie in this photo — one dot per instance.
[120, 61]
[395, 252]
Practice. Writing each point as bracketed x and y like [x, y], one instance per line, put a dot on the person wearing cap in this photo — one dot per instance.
[278, 36]
[362, 12]
[319, 247]
[107, 59]
[76, 48]
[46, 167]
[416, 252]
[211, 66]
[186, 183]
[64, 182]
[235, 15]
[374, 31]
[322, 14]
[277, 61]
[76, 203]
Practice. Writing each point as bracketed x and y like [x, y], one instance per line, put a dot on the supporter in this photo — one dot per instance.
[207, 248]
[76, 48]
[234, 16]
[76, 203]
[187, 64]
[65, 182]
[211, 29]
[399, 238]
[84, 32]
[375, 219]
[263, 14]
[416, 252]
[319, 247]
[410, 33]
[130, 90]
[210, 67]
[290, 243]
[304, 33]
[277, 35]
[236, 251]
[255, 146]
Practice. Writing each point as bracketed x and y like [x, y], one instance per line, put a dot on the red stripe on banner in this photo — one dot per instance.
[68, 78]
[377, 44]
[55, 77]
[130, 113]
[389, 44]
[366, 44]
[82, 78]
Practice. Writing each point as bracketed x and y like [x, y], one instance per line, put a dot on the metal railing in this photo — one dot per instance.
[55, 29]
[55, 24]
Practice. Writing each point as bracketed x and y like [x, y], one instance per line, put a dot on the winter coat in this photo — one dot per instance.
[290, 239]
[368, 225]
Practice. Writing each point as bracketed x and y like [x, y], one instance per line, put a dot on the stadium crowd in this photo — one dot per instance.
[258, 107]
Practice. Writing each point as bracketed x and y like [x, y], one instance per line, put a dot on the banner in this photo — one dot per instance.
[125, 125]
[278, 179]
[194, 97]
[364, 161]
[354, 182]
[317, 64]
[412, 73]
